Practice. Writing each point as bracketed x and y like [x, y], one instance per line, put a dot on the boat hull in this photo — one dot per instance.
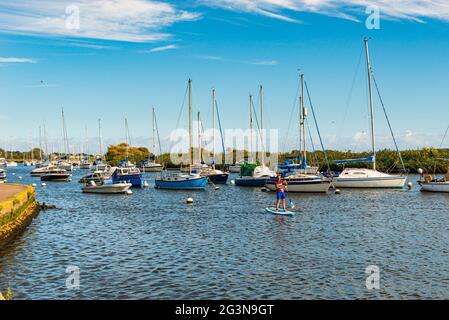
[108, 189]
[435, 187]
[251, 182]
[371, 183]
[221, 178]
[303, 186]
[56, 177]
[189, 184]
[136, 180]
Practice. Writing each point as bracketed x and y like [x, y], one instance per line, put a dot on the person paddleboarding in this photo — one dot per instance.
[281, 187]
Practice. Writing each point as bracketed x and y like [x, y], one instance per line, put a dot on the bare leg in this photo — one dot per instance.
[283, 203]
[277, 205]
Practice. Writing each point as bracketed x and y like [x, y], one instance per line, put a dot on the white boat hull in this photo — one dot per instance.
[107, 189]
[435, 186]
[367, 183]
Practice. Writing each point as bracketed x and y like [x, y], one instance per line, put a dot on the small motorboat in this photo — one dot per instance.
[38, 172]
[107, 187]
[151, 166]
[431, 184]
[85, 164]
[56, 175]
[97, 177]
[128, 172]
[215, 176]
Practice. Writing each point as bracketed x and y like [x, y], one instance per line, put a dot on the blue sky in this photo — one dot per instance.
[130, 55]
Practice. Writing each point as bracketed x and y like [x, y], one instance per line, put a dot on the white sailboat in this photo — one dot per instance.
[304, 178]
[368, 178]
[151, 165]
[252, 175]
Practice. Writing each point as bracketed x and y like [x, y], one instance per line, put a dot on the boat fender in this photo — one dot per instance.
[189, 200]
[409, 185]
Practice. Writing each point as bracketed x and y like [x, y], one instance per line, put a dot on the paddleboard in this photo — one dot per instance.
[281, 212]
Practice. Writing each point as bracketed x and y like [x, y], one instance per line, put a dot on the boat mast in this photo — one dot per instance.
[199, 137]
[99, 139]
[303, 114]
[370, 93]
[40, 143]
[64, 132]
[213, 128]
[127, 139]
[190, 127]
[261, 124]
[250, 125]
[154, 138]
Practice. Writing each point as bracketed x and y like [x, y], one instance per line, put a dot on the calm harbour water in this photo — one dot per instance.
[151, 245]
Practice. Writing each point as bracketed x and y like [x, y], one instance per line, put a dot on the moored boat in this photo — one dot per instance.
[38, 172]
[56, 175]
[370, 178]
[429, 183]
[106, 187]
[304, 183]
[183, 181]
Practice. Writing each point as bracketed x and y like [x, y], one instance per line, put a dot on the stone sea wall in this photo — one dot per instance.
[18, 207]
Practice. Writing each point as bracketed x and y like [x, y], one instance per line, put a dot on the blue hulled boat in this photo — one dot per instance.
[128, 172]
[181, 182]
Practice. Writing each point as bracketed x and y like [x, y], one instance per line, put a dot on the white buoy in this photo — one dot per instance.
[146, 184]
[33, 184]
[44, 184]
[20, 177]
[129, 192]
[337, 191]
[217, 188]
[409, 185]
[233, 182]
[189, 200]
[420, 171]
[13, 173]
[263, 189]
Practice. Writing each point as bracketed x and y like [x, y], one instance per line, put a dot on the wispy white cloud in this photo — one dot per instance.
[162, 48]
[210, 57]
[265, 62]
[416, 10]
[16, 60]
[119, 20]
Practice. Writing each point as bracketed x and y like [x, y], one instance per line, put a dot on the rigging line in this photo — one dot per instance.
[317, 128]
[157, 132]
[389, 124]
[180, 113]
[290, 119]
[258, 127]
[444, 137]
[348, 100]
[311, 143]
[221, 131]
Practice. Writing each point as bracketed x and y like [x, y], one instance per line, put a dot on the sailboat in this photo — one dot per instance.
[368, 178]
[127, 171]
[254, 175]
[98, 164]
[65, 164]
[150, 165]
[182, 181]
[215, 176]
[302, 177]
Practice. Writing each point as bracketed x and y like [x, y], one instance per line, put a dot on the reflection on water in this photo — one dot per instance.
[151, 245]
